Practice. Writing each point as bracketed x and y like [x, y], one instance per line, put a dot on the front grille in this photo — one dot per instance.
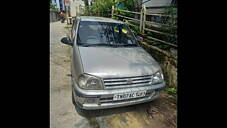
[125, 82]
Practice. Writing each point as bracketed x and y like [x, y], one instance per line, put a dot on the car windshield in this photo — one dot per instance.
[93, 33]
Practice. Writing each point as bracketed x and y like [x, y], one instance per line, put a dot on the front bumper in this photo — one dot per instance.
[101, 99]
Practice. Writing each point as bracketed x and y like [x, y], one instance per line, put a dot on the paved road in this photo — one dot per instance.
[63, 114]
[62, 111]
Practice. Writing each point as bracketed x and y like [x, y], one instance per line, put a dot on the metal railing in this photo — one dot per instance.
[145, 26]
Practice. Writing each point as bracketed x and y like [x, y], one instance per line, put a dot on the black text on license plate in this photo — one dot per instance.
[129, 95]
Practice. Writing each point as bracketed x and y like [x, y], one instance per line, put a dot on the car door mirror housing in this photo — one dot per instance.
[67, 41]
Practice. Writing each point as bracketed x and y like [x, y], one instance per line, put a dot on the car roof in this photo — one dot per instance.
[99, 19]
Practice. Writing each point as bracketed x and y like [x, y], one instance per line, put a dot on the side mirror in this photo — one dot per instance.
[67, 41]
[139, 38]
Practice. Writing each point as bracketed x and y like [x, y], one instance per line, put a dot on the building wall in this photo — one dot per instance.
[153, 3]
[156, 3]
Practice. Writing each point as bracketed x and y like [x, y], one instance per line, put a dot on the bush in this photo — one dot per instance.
[54, 8]
[99, 8]
[170, 21]
[172, 90]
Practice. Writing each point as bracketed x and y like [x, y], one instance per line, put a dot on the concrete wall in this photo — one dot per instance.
[169, 71]
[168, 65]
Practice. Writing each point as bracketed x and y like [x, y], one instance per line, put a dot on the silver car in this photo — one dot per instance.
[109, 68]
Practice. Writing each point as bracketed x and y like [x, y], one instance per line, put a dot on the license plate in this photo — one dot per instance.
[130, 95]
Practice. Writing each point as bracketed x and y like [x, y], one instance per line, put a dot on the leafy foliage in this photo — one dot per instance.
[54, 8]
[103, 7]
[130, 5]
[99, 8]
[170, 21]
[172, 90]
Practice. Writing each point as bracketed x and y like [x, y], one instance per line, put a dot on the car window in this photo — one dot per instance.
[122, 35]
[91, 32]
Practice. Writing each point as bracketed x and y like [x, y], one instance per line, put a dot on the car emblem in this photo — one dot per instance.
[129, 81]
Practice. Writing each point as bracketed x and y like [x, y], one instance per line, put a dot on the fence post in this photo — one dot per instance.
[112, 12]
[144, 18]
[141, 19]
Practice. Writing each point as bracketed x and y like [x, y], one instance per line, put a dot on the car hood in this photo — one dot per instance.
[107, 62]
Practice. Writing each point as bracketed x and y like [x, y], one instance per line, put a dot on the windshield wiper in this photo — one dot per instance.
[99, 44]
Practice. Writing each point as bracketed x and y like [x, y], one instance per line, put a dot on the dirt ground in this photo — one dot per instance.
[160, 113]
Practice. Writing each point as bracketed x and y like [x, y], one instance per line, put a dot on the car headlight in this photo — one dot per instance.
[89, 82]
[157, 78]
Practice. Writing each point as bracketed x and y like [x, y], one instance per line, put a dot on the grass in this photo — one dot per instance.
[171, 90]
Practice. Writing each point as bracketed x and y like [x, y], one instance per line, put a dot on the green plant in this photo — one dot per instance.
[170, 21]
[131, 5]
[54, 8]
[171, 90]
[135, 29]
[100, 7]
[103, 7]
